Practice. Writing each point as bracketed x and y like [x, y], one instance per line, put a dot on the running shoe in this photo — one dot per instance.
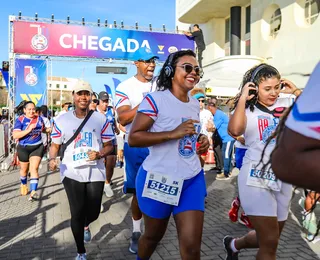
[108, 190]
[234, 211]
[134, 242]
[226, 244]
[81, 257]
[33, 195]
[244, 220]
[87, 236]
[310, 222]
[222, 177]
[24, 189]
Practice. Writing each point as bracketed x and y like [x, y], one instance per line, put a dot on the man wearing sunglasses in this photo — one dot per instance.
[129, 95]
[110, 160]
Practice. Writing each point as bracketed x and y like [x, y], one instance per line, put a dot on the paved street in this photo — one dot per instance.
[41, 230]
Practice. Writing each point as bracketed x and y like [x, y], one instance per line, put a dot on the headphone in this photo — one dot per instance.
[168, 69]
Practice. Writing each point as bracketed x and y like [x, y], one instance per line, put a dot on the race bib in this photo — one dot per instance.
[80, 157]
[263, 179]
[163, 188]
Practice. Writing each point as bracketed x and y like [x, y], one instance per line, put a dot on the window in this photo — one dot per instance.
[50, 85]
[311, 10]
[248, 19]
[65, 86]
[227, 30]
[58, 86]
[275, 23]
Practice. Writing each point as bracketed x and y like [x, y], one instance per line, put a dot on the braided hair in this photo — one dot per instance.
[164, 82]
[257, 74]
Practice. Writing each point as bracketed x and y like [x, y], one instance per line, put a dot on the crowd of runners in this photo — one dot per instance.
[159, 130]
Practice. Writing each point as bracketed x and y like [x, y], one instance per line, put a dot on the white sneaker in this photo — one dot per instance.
[108, 190]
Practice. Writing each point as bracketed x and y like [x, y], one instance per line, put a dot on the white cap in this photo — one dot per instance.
[82, 85]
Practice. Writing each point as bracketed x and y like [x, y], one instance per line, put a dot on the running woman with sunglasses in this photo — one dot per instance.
[171, 180]
[27, 129]
[129, 95]
[264, 198]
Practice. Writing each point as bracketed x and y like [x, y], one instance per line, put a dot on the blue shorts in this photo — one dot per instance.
[239, 154]
[192, 197]
[134, 157]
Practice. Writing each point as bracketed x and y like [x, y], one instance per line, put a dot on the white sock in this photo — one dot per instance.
[233, 246]
[136, 225]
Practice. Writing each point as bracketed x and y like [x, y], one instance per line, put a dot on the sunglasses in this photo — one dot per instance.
[153, 60]
[189, 68]
[96, 101]
[202, 100]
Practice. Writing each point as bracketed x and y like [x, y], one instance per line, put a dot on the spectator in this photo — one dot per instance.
[197, 36]
[221, 122]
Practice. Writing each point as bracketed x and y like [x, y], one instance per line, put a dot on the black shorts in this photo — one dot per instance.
[25, 152]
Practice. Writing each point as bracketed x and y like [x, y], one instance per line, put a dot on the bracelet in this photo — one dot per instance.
[296, 90]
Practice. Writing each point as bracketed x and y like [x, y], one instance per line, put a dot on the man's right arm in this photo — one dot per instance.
[126, 114]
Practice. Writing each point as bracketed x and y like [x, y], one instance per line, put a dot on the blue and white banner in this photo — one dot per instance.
[31, 81]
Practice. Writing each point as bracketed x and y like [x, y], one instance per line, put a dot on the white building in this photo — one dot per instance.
[60, 90]
[242, 33]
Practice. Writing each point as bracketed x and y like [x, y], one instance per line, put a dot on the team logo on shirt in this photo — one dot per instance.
[84, 139]
[267, 127]
[187, 145]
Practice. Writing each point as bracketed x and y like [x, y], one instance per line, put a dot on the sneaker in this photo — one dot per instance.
[310, 223]
[87, 236]
[81, 256]
[221, 177]
[244, 220]
[134, 242]
[230, 254]
[24, 189]
[233, 212]
[108, 190]
[33, 195]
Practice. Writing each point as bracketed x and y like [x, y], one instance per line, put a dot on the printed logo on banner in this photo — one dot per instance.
[35, 98]
[39, 42]
[30, 78]
[161, 49]
[172, 49]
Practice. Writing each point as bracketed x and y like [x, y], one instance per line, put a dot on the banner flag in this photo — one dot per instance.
[95, 42]
[31, 81]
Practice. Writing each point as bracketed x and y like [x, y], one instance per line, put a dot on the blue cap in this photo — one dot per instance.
[145, 54]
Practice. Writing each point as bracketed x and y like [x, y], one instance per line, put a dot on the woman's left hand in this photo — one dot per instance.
[93, 155]
[289, 87]
[204, 144]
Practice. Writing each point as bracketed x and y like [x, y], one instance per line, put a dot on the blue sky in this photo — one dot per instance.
[156, 12]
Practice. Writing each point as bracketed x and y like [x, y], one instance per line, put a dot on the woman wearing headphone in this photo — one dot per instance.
[171, 180]
[27, 129]
[264, 198]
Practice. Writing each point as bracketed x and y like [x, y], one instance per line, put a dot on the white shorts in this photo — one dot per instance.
[257, 201]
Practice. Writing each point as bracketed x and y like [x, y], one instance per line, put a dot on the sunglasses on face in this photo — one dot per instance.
[96, 101]
[189, 68]
[202, 100]
[153, 60]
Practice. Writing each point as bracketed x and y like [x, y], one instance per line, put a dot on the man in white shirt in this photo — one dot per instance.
[129, 95]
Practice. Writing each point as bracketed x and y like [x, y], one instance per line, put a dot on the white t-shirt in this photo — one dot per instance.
[95, 132]
[44, 136]
[131, 92]
[260, 125]
[175, 157]
[305, 115]
[205, 117]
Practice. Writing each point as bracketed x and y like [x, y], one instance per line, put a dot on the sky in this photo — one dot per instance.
[156, 12]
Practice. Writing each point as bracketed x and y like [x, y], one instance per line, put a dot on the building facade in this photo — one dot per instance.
[242, 33]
